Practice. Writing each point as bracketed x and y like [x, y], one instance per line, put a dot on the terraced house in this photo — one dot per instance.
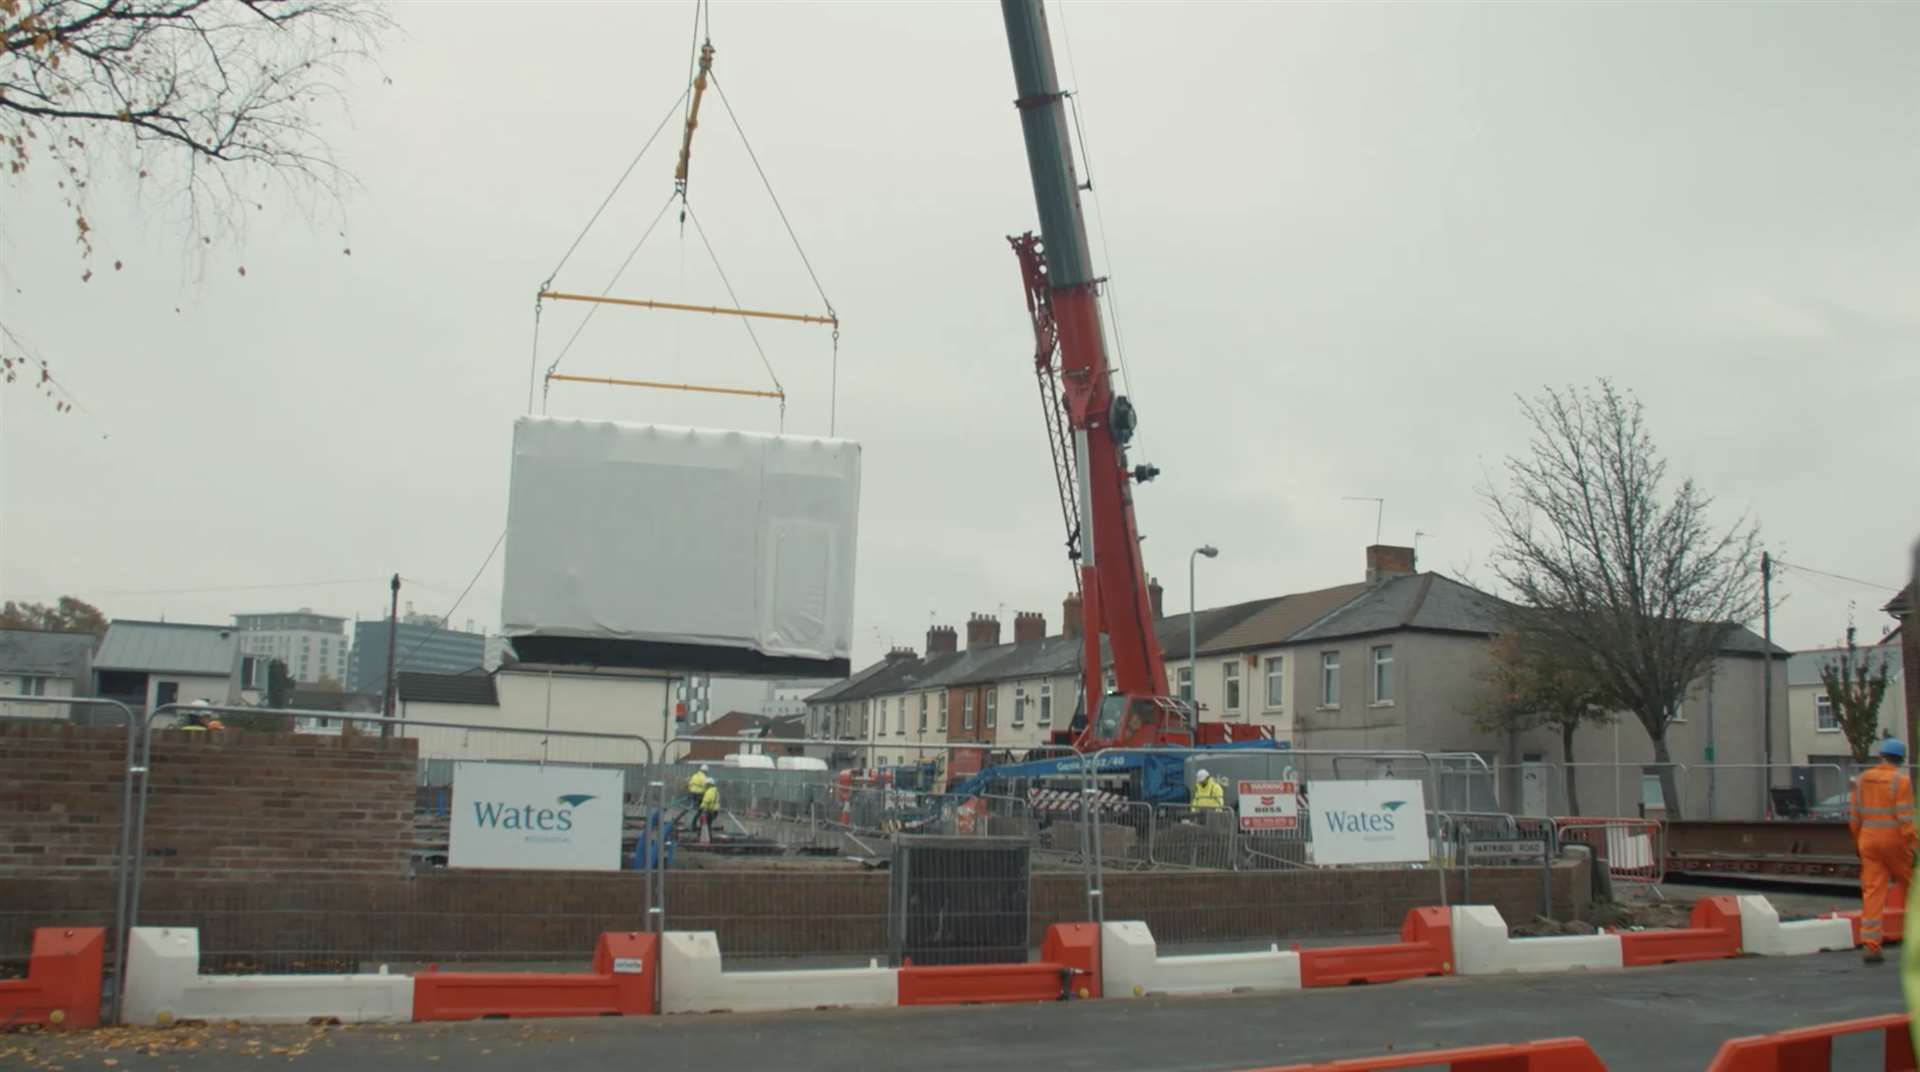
[1393, 661]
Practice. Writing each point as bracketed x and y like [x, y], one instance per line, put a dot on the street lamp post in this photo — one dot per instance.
[1193, 669]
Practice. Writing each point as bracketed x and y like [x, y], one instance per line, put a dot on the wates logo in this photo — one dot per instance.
[1384, 821]
[499, 815]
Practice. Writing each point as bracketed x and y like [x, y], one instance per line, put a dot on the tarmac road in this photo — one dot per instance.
[1668, 1019]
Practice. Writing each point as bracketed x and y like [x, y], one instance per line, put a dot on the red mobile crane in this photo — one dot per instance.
[1089, 425]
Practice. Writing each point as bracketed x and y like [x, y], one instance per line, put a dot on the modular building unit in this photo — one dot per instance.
[680, 548]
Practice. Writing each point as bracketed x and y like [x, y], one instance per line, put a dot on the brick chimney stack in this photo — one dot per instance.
[983, 631]
[1385, 562]
[1070, 615]
[942, 640]
[1029, 626]
[1156, 597]
[896, 654]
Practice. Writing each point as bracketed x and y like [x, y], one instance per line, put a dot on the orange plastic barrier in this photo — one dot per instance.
[1069, 967]
[624, 980]
[1552, 1055]
[985, 984]
[1810, 1049]
[1425, 948]
[62, 987]
[1075, 947]
[1714, 935]
[1893, 924]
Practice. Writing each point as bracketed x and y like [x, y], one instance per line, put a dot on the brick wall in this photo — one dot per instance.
[956, 714]
[224, 804]
[453, 916]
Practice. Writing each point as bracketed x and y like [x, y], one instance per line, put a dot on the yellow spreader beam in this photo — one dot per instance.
[717, 310]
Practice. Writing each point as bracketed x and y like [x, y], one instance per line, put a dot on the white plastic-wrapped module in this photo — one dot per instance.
[680, 548]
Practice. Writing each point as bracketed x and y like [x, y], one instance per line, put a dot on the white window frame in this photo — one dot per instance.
[1230, 698]
[1183, 682]
[1045, 716]
[1677, 714]
[866, 718]
[883, 719]
[1019, 706]
[923, 713]
[32, 685]
[1380, 675]
[1824, 720]
[993, 706]
[966, 711]
[1330, 680]
[901, 729]
[1276, 683]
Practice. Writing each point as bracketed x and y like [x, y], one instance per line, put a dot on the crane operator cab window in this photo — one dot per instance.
[1114, 708]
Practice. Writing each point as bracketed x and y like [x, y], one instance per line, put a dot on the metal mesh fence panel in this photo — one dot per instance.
[812, 913]
[67, 775]
[1234, 909]
[959, 900]
[1732, 791]
[522, 919]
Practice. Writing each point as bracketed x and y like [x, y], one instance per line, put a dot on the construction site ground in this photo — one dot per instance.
[1649, 1020]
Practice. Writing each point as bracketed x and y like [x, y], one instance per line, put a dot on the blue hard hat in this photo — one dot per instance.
[1892, 748]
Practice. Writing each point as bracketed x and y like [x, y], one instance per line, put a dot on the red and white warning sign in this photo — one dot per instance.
[1269, 805]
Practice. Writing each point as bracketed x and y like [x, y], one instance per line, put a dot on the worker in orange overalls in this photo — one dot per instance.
[1882, 823]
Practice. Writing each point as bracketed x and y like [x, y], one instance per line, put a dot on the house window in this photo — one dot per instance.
[866, 712]
[1823, 710]
[1046, 705]
[883, 718]
[37, 686]
[1329, 679]
[1019, 705]
[1678, 712]
[1230, 684]
[1183, 678]
[946, 712]
[1383, 674]
[1276, 683]
[966, 711]
[901, 729]
[993, 703]
[923, 712]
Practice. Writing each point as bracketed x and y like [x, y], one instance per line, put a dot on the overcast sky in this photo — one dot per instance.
[1342, 238]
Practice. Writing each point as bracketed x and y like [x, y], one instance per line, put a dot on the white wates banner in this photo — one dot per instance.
[551, 818]
[1378, 822]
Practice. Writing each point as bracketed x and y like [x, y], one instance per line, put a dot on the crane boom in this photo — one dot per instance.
[1064, 297]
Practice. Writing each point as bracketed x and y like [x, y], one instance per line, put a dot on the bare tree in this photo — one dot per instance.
[208, 103]
[1856, 684]
[1608, 562]
[1530, 682]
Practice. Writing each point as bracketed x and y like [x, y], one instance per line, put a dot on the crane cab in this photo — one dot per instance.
[1124, 721]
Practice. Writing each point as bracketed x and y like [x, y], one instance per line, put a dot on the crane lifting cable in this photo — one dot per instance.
[701, 77]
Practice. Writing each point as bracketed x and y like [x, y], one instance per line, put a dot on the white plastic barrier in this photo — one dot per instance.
[1131, 966]
[691, 981]
[1481, 946]
[164, 984]
[1762, 933]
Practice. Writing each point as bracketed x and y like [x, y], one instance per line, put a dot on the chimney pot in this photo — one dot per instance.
[1070, 622]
